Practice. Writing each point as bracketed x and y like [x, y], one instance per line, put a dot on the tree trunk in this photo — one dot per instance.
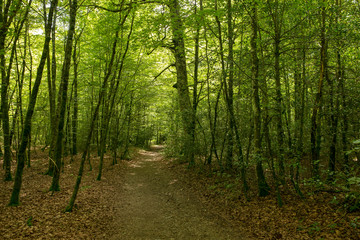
[315, 118]
[76, 103]
[6, 18]
[125, 154]
[5, 110]
[186, 109]
[279, 97]
[229, 136]
[212, 124]
[63, 100]
[52, 102]
[299, 80]
[14, 200]
[230, 91]
[109, 106]
[334, 110]
[196, 73]
[263, 187]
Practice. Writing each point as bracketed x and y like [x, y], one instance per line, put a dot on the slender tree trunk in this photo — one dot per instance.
[279, 97]
[125, 154]
[266, 122]
[315, 118]
[288, 116]
[67, 128]
[7, 15]
[62, 104]
[30, 92]
[5, 110]
[342, 103]
[196, 74]
[15, 195]
[333, 121]
[5, 22]
[109, 106]
[334, 107]
[52, 101]
[300, 147]
[263, 187]
[115, 139]
[229, 94]
[299, 119]
[212, 124]
[21, 84]
[229, 136]
[74, 124]
[345, 124]
[103, 130]
[230, 90]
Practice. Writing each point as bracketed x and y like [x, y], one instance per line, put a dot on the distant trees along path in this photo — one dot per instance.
[266, 89]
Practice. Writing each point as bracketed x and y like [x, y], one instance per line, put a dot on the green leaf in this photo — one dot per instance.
[354, 180]
[29, 221]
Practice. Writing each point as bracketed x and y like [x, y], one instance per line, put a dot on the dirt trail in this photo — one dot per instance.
[153, 204]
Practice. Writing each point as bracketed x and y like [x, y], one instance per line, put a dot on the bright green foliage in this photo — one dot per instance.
[142, 72]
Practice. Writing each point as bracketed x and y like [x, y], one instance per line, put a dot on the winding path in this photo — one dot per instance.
[153, 204]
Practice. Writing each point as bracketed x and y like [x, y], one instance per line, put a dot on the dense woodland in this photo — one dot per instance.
[266, 90]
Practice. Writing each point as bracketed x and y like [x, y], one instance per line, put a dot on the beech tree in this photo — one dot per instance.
[15, 195]
[264, 90]
[8, 13]
[63, 96]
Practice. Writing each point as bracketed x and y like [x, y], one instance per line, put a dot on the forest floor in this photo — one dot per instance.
[151, 197]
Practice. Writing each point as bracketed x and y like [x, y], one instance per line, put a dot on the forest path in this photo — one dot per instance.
[153, 204]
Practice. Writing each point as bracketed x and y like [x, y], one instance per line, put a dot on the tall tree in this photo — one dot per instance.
[196, 68]
[334, 99]
[15, 195]
[315, 117]
[74, 123]
[55, 186]
[276, 15]
[51, 65]
[186, 109]
[263, 187]
[8, 12]
[299, 87]
[224, 83]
